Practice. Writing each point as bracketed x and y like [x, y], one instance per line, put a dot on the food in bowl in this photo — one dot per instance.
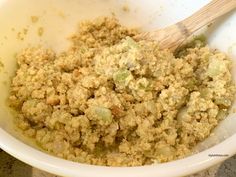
[110, 100]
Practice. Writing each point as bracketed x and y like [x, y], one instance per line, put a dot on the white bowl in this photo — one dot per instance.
[59, 19]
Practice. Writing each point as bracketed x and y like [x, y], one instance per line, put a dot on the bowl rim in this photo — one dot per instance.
[55, 165]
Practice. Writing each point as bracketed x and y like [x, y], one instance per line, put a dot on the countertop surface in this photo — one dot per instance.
[11, 167]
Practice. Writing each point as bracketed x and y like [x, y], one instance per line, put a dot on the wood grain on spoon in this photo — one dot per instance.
[173, 36]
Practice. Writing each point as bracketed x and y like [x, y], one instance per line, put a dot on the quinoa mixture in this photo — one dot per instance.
[110, 100]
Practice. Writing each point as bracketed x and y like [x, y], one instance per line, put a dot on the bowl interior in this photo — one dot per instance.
[59, 18]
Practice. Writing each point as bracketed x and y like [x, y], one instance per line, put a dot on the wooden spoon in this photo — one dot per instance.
[173, 36]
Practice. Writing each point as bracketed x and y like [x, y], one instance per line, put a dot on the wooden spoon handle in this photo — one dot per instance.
[173, 36]
[206, 15]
